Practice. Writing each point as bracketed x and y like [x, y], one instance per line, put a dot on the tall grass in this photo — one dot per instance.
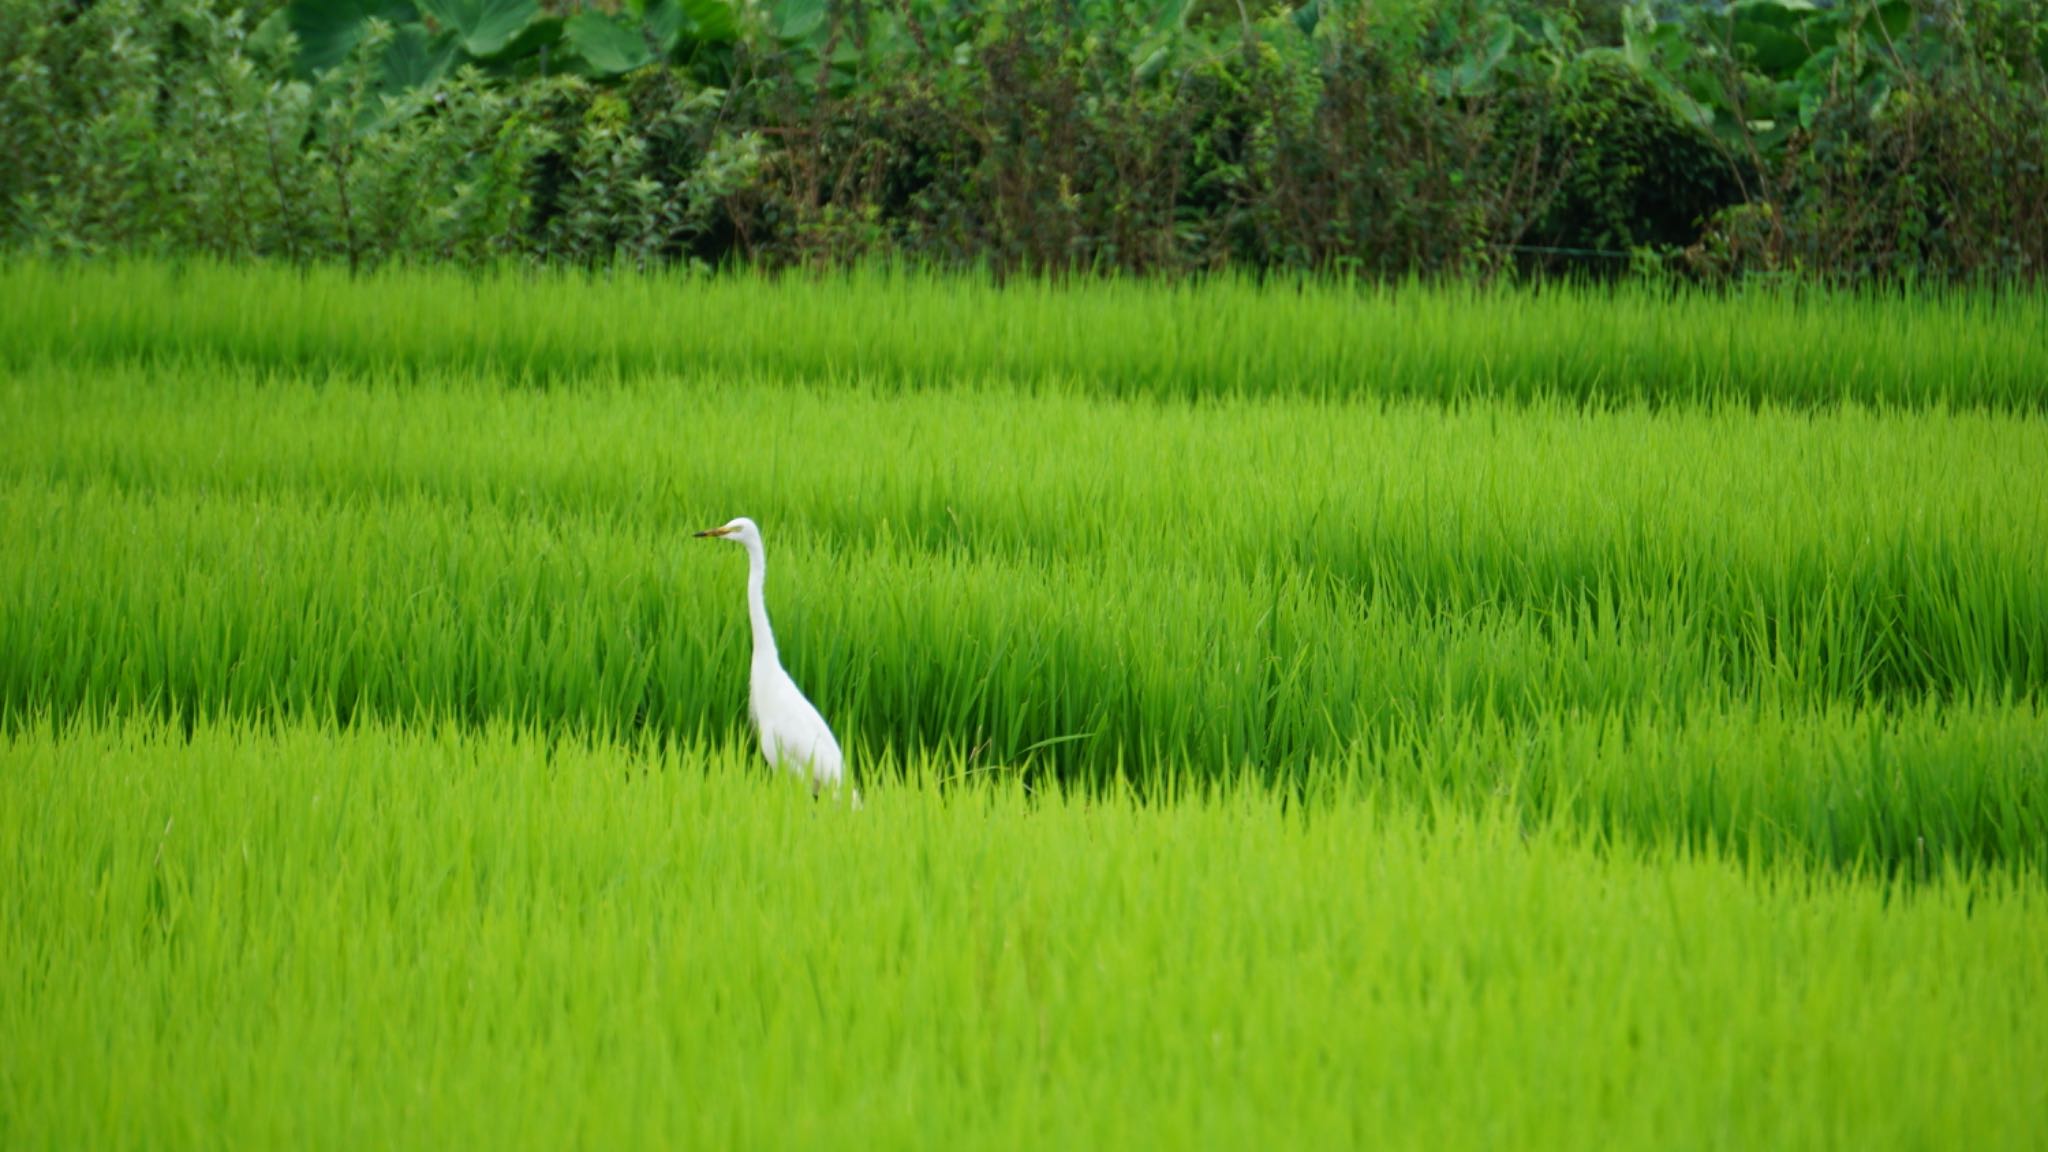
[1816, 634]
[1506, 720]
[432, 937]
[897, 329]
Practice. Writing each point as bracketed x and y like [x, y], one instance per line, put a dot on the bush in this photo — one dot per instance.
[1436, 137]
[1639, 177]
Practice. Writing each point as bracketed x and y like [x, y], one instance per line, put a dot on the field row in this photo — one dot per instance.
[384, 937]
[1822, 635]
[1218, 337]
[1832, 556]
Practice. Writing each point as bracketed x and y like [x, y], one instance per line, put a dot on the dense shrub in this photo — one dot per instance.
[1923, 155]
[1640, 176]
[1431, 137]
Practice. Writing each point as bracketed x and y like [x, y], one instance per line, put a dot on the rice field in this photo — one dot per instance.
[1414, 716]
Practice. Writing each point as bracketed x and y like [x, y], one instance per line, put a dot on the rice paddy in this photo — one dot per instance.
[1433, 717]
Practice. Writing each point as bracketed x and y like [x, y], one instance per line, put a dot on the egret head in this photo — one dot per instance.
[739, 531]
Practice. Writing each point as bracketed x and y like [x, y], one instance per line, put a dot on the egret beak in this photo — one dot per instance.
[714, 532]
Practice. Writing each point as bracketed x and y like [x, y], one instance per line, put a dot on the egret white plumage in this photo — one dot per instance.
[793, 735]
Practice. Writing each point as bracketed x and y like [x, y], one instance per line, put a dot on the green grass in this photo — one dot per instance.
[1428, 718]
[419, 937]
[1069, 584]
[1132, 338]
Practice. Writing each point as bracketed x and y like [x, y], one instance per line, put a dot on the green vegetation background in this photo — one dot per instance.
[1899, 140]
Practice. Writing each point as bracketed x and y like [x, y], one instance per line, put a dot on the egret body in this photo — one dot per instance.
[793, 736]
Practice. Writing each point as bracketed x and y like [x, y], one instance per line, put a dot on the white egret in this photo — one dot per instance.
[793, 736]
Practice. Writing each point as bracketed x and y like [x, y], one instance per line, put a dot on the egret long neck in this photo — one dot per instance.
[757, 604]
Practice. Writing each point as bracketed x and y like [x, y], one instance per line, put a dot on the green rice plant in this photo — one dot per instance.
[1218, 337]
[435, 936]
[1260, 740]
[1059, 583]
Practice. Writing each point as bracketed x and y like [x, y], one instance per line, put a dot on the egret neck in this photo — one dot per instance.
[765, 655]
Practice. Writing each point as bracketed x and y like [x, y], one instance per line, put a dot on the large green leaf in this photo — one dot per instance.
[687, 23]
[796, 20]
[710, 21]
[1472, 72]
[1775, 54]
[1813, 83]
[1307, 16]
[328, 30]
[417, 59]
[523, 54]
[1773, 34]
[665, 22]
[1896, 16]
[609, 45]
[483, 27]
[1887, 23]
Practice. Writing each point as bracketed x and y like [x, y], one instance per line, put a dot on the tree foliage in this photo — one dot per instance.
[1892, 139]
